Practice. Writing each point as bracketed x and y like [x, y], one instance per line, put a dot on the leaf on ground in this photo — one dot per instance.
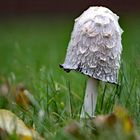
[73, 128]
[118, 123]
[10, 124]
[105, 120]
[124, 118]
[20, 97]
[17, 93]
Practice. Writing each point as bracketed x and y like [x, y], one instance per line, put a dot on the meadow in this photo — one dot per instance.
[31, 50]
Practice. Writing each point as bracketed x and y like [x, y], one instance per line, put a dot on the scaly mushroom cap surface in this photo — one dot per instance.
[95, 46]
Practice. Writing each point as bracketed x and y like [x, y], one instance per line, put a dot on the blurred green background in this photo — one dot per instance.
[35, 35]
[33, 40]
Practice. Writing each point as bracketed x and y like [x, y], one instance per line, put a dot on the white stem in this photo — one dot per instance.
[90, 98]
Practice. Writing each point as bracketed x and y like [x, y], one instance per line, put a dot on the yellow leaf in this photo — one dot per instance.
[25, 138]
[124, 119]
[120, 112]
[10, 123]
[128, 125]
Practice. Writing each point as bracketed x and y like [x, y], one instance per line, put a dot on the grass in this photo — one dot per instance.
[30, 53]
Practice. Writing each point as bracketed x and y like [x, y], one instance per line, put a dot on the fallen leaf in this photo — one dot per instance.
[124, 119]
[117, 124]
[105, 120]
[73, 128]
[20, 97]
[10, 123]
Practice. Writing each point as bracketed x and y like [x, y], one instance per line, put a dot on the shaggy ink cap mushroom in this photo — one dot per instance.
[94, 50]
[95, 46]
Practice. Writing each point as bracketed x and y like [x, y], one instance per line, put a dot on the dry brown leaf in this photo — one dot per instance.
[16, 94]
[73, 128]
[20, 97]
[119, 119]
[105, 120]
[10, 123]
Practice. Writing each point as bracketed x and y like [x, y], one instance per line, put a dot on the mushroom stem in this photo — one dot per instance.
[90, 98]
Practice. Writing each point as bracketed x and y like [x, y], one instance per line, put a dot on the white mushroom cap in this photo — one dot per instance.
[95, 46]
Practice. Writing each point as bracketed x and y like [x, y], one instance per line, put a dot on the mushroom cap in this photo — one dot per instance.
[95, 46]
